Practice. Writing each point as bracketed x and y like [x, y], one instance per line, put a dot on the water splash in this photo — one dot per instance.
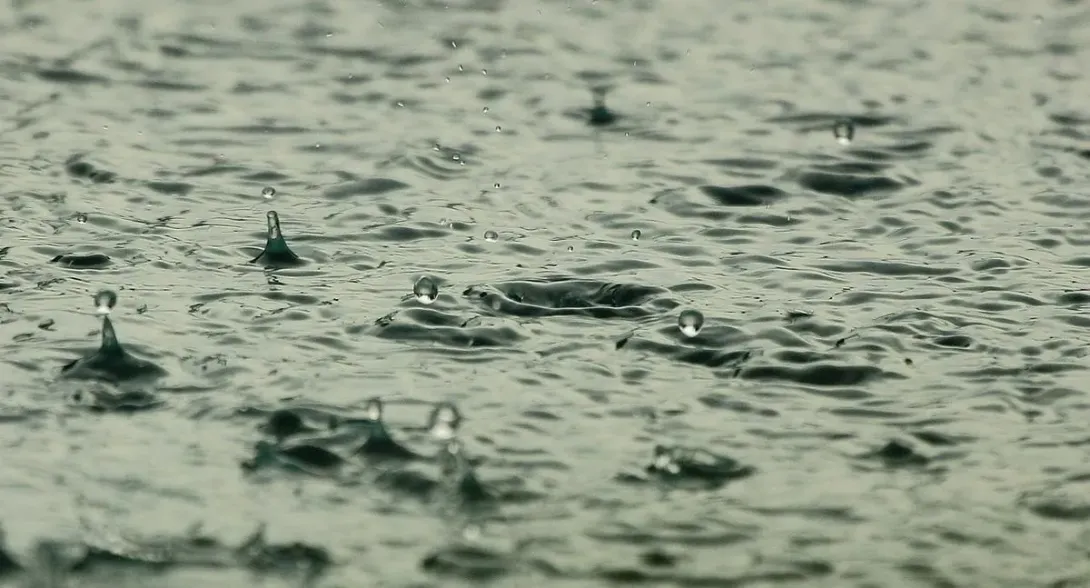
[379, 443]
[276, 252]
[110, 362]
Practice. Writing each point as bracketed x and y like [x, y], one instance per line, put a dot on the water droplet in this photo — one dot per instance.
[374, 409]
[273, 225]
[571, 248]
[484, 72]
[460, 68]
[105, 301]
[485, 110]
[690, 322]
[268, 192]
[444, 421]
[426, 290]
[491, 236]
[498, 128]
[81, 218]
[636, 234]
[447, 79]
[454, 44]
[496, 185]
[400, 104]
[844, 131]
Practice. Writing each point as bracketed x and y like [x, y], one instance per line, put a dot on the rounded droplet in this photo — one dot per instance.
[268, 192]
[426, 290]
[374, 409]
[444, 421]
[636, 234]
[81, 218]
[690, 322]
[491, 236]
[844, 131]
[274, 224]
[105, 301]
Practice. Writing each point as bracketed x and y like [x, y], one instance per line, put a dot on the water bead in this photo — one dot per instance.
[844, 131]
[374, 409]
[268, 192]
[690, 322]
[426, 290]
[444, 421]
[491, 236]
[105, 301]
[636, 234]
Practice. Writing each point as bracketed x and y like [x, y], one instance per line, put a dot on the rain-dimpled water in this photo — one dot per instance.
[566, 293]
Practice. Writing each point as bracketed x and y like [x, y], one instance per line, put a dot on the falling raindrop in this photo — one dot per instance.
[484, 110]
[426, 290]
[105, 301]
[690, 322]
[491, 236]
[81, 218]
[268, 192]
[636, 234]
[844, 131]
[498, 128]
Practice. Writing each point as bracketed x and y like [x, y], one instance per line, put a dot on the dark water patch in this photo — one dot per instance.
[84, 261]
[754, 195]
[419, 325]
[849, 185]
[79, 168]
[363, 188]
[60, 75]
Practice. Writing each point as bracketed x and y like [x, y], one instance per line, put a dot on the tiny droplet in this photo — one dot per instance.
[81, 218]
[491, 236]
[690, 322]
[636, 234]
[426, 290]
[268, 192]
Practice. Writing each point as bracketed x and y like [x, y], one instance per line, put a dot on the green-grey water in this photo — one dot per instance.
[515, 207]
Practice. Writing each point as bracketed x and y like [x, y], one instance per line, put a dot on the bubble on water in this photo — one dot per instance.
[690, 322]
[444, 420]
[491, 236]
[844, 131]
[105, 301]
[268, 192]
[636, 234]
[426, 290]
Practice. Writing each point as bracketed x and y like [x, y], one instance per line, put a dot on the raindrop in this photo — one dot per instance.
[81, 218]
[484, 110]
[444, 420]
[460, 68]
[484, 72]
[636, 234]
[844, 131]
[268, 192]
[498, 128]
[571, 248]
[491, 236]
[447, 79]
[496, 185]
[374, 409]
[690, 322]
[105, 301]
[426, 290]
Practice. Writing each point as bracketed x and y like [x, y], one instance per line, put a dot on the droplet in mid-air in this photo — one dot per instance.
[374, 409]
[600, 114]
[276, 252]
[636, 234]
[690, 322]
[844, 131]
[426, 290]
[444, 421]
[268, 192]
[105, 301]
[491, 236]
[81, 218]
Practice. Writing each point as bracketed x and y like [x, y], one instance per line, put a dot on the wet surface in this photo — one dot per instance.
[754, 295]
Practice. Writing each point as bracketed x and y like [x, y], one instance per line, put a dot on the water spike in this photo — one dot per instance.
[276, 252]
[110, 344]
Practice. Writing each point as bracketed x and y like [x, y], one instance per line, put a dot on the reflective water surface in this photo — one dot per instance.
[556, 293]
